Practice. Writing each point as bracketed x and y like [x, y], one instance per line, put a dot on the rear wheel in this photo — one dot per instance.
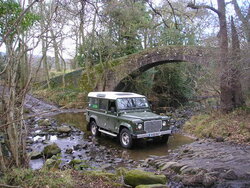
[94, 128]
[126, 138]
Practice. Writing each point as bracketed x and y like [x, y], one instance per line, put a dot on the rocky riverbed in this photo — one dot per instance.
[47, 137]
[203, 163]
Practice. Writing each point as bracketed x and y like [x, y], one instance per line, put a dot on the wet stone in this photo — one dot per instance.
[107, 167]
[35, 154]
[51, 150]
[44, 122]
[219, 139]
[77, 147]
[69, 151]
[230, 175]
[64, 129]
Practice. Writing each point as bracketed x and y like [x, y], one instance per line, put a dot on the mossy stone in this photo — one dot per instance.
[51, 150]
[35, 154]
[152, 186]
[52, 164]
[64, 129]
[75, 161]
[44, 122]
[139, 177]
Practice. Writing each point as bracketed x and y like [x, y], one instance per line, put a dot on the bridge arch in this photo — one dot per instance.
[115, 77]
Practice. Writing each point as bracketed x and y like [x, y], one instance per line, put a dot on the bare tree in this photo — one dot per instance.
[227, 89]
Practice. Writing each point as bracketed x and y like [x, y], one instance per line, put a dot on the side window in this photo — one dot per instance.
[93, 103]
[103, 104]
[112, 106]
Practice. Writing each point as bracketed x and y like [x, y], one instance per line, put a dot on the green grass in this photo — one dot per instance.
[234, 126]
[37, 178]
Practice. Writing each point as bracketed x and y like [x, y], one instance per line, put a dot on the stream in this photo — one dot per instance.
[98, 152]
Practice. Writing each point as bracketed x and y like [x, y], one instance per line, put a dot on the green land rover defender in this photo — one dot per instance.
[125, 115]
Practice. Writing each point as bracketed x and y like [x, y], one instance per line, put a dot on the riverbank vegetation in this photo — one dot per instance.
[59, 178]
[233, 126]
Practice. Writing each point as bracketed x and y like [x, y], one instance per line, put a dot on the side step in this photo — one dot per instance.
[108, 133]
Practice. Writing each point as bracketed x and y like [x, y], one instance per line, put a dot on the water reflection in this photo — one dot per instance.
[142, 149]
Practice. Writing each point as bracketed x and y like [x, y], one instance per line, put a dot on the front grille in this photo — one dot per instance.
[152, 126]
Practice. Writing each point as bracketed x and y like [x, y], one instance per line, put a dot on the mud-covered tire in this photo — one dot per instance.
[94, 129]
[125, 138]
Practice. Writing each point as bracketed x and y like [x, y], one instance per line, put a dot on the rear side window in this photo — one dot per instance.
[93, 103]
[103, 104]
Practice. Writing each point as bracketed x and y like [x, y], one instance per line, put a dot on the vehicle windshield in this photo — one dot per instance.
[132, 103]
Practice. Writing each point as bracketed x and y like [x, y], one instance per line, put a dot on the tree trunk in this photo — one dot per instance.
[238, 99]
[244, 20]
[56, 51]
[225, 86]
[44, 45]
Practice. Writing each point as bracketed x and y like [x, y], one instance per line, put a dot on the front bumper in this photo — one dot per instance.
[154, 134]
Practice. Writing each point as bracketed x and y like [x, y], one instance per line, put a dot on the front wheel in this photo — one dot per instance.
[164, 138]
[126, 138]
[94, 128]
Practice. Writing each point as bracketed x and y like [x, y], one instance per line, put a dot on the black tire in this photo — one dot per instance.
[94, 129]
[125, 138]
[164, 138]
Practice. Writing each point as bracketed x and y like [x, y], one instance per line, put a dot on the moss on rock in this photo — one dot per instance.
[152, 186]
[51, 150]
[139, 177]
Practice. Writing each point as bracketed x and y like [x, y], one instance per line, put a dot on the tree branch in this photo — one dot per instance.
[172, 8]
[18, 20]
[157, 12]
[193, 6]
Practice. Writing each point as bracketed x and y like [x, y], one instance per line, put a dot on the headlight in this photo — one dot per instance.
[164, 123]
[139, 126]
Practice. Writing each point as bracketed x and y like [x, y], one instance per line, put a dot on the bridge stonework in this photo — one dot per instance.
[115, 78]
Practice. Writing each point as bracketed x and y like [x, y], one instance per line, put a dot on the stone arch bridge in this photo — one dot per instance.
[119, 71]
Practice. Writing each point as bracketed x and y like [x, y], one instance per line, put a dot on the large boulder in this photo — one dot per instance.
[139, 177]
[51, 150]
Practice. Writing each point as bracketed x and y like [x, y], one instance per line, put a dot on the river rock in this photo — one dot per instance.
[35, 155]
[44, 122]
[64, 129]
[152, 186]
[69, 151]
[51, 150]
[219, 139]
[139, 177]
[168, 165]
[52, 163]
[208, 180]
[107, 167]
[194, 180]
[75, 162]
[230, 175]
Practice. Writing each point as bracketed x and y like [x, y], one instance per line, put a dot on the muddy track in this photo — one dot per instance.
[41, 108]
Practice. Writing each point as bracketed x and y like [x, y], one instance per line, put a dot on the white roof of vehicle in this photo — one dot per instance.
[113, 95]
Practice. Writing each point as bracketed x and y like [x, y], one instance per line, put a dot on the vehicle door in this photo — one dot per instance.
[112, 121]
[102, 113]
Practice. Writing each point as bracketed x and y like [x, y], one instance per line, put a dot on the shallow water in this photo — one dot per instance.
[142, 149]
